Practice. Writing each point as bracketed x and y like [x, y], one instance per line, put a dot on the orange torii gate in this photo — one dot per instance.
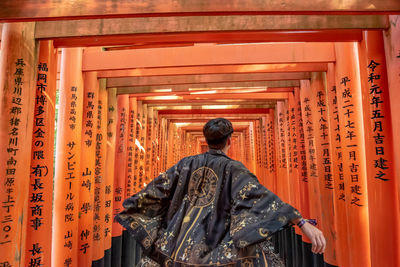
[139, 62]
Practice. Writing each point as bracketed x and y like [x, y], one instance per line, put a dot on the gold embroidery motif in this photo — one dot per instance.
[147, 262]
[134, 225]
[202, 187]
[263, 232]
[168, 263]
[247, 263]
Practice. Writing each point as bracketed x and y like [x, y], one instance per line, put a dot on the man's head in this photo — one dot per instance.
[217, 132]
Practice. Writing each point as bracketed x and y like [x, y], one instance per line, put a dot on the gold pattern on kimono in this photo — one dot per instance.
[263, 232]
[247, 263]
[146, 242]
[202, 186]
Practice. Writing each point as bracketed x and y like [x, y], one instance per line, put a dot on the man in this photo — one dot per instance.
[210, 210]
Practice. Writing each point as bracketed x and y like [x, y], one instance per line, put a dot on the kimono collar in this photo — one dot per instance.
[216, 152]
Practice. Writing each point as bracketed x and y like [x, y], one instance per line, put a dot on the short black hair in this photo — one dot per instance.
[217, 131]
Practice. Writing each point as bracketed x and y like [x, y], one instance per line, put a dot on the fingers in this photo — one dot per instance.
[317, 238]
[318, 242]
[324, 243]
[321, 242]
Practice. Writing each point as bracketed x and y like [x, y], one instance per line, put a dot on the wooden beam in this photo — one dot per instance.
[215, 111]
[252, 96]
[158, 40]
[204, 120]
[218, 91]
[156, 25]
[198, 130]
[228, 102]
[195, 29]
[193, 118]
[12, 10]
[253, 68]
[209, 78]
[185, 87]
[209, 55]
[259, 104]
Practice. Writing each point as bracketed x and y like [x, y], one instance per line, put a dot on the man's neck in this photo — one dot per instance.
[225, 149]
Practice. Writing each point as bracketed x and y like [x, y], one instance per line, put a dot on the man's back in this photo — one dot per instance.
[207, 210]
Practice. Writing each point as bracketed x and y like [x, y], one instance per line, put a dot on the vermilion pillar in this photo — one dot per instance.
[140, 144]
[162, 145]
[68, 158]
[353, 147]
[257, 149]
[38, 239]
[392, 48]
[264, 147]
[17, 83]
[149, 144]
[382, 184]
[169, 144]
[119, 174]
[136, 155]
[282, 172]
[294, 173]
[99, 222]
[252, 148]
[302, 160]
[155, 154]
[272, 148]
[323, 152]
[143, 141]
[109, 178]
[87, 168]
[343, 253]
[310, 145]
[131, 183]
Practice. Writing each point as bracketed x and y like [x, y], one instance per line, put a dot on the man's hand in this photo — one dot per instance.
[316, 236]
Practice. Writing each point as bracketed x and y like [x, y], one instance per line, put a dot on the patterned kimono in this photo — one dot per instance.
[207, 210]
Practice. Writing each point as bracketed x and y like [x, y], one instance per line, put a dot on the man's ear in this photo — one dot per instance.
[229, 141]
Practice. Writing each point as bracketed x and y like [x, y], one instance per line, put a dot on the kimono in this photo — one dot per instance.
[207, 210]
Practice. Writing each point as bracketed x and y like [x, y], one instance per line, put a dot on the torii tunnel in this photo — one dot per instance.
[99, 97]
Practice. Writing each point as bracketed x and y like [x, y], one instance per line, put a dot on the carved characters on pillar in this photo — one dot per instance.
[7, 222]
[349, 125]
[324, 135]
[39, 169]
[309, 130]
[380, 162]
[337, 140]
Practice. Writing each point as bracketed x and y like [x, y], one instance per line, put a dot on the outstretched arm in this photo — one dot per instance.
[313, 233]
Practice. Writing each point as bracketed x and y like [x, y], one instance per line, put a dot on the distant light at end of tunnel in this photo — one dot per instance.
[219, 106]
[204, 92]
[163, 97]
[181, 124]
[162, 90]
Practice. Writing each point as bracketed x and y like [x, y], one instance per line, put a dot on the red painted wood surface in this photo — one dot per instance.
[87, 168]
[382, 184]
[310, 146]
[302, 160]
[120, 160]
[110, 164]
[68, 155]
[392, 48]
[42, 165]
[323, 151]
[99, 221]
[343, 252]
[354, 165]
